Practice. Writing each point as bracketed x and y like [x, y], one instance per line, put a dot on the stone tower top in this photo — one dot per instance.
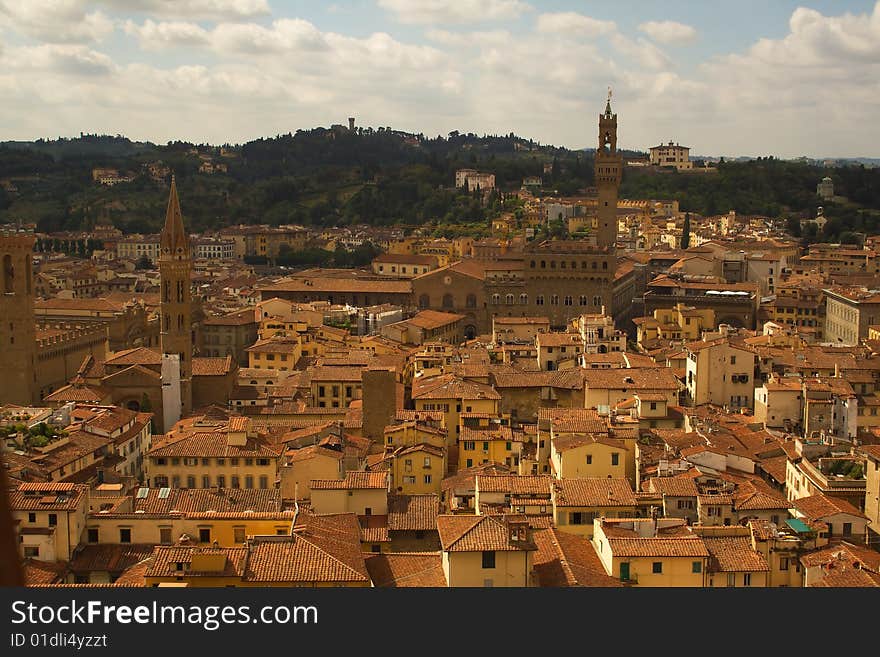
[173, 241]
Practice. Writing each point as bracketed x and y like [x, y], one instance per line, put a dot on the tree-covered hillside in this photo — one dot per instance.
[325, 177]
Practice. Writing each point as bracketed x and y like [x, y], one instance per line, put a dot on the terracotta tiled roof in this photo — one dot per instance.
[374, 529]
[211, 366]
[406, 569]
[537, 485]
[733, 554]
[750, 499]
[166, 558]
[43, 573]
[564, 559]
[136, 356]
[594, 492]
[474, 534]
[866, 557]
[109, 557]
[78, 393]
[209, 443]
[845, 575]
[323, 549]
[47, 497]
[354, 480]
[448, 386]
[200, 500]
[674, 486]
[819, 506]
[574, 420]
[685, 546]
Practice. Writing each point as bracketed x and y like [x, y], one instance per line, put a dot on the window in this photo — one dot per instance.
[747, 579]
[190, 481]
[576, 518]
[238, 534]
[31, 551]
[657, 567]
[368, 511]
[93, 534]
[264, 482]
[125, 535]
[206, 481]
[539, 300]
[615, 458]
[589, 459]
[554, 300]
[488, 559]
[733, 360]
[32, 517]
[847, 529]
[165, 535]
[624, 572]
[783, 563]
[427, 479]
[697, 567]
[235, 482]
[53, 519]
[221, 481]
[249, 481]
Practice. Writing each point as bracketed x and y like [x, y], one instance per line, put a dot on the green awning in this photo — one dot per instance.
[798, 526]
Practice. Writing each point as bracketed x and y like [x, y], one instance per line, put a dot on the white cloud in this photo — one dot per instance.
[570, 23]
[814, 91]
[644, 52]
[54, 21]
[454, 11]
[474, 39]
[669, 32]
[156, 36]
[193, 9]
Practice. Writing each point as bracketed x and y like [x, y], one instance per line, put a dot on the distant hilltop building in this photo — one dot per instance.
[671, 155]
[825, 189]
[109, 177]
[471, 178]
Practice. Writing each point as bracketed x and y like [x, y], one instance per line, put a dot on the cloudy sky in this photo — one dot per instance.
[751, 77]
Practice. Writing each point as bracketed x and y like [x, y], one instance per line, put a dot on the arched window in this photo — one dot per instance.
[471, 300]
[180, 322]
[496, 299]
[552, 264]
[424, 301]
[583, 264]
[539, 300]
[166, 295]
[605, 265]
[582, 300]
[523, 299]
[447, 300]
[562, 265]
[567, 301]
[597, 301]
[554, 300]
[509, 299]
[594, 264]
[179, 291]
[532, 264]
[543, 264]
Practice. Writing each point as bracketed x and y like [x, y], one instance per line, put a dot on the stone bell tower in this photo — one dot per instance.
[176, 296]
[18, 344]
[609, 166]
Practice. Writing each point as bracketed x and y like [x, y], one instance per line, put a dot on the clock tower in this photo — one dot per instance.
[608, 168]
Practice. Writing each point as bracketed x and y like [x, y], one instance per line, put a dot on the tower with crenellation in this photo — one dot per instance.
[18, 347]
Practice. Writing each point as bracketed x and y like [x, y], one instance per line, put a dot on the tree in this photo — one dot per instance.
[143, 263]
[686, 231]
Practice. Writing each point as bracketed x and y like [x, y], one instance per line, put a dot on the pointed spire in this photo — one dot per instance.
[608, 103]
[173, 233]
